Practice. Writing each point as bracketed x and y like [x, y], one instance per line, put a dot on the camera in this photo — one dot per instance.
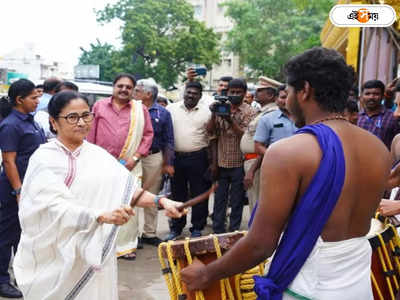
[221, 108]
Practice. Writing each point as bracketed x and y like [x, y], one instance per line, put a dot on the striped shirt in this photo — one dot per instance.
[229, 153]
[382, 124]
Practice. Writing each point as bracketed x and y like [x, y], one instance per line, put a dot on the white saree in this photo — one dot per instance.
[63, 252]
[127, 239]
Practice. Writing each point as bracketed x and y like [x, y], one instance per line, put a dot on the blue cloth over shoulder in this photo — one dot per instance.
[309, 217]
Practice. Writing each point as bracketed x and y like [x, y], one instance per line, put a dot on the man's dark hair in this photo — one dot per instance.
[68, 85]
[127, 75]
[282, 87]
[194, 84]
[354, 88]
[327, 73]
[50, 84]
[373, 84]
[39, 86]
[238, 83]
[226, 78]
[352, 106]
[162, 99]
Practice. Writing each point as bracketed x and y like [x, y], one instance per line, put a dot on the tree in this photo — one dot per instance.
[159, 38]
[100, 54]
[268, 32]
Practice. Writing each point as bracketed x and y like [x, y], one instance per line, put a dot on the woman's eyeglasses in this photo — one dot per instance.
[73, 118]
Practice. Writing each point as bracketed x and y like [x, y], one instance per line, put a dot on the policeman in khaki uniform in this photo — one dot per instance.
[265, 96]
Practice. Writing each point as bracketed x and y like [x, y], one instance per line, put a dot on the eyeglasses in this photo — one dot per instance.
[73, 118]
[121, 86]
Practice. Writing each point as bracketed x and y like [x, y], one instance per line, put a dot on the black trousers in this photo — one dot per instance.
[190, 180]
[230, 187]
[10, 232]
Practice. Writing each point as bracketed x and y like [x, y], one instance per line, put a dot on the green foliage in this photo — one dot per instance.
[100, 54]
[159, 39]
[268, 32]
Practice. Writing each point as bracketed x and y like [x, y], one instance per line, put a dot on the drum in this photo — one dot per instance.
[385, 266]
[176, 255]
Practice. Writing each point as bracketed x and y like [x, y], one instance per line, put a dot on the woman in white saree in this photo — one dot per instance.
[73, 198]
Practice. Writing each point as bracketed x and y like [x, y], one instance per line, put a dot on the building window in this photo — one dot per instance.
[228, 62]
[198, 11]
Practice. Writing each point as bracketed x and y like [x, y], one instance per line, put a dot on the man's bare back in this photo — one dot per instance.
[367, 168]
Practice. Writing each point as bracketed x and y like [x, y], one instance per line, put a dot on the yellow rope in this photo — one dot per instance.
[225, 284]
[199, 294]
[381, 258]
[378, 290]
[175, 274]
[389, 261]
[167, 276]
[244, 283]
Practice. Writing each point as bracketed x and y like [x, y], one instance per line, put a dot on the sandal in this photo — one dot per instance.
[130, 256]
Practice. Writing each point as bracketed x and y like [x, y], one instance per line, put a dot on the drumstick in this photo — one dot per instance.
[145, 186]
[198, 199]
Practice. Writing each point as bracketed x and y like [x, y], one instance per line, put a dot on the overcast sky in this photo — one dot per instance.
[56, 28]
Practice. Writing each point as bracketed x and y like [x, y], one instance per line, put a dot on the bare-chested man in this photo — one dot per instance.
[332, 171]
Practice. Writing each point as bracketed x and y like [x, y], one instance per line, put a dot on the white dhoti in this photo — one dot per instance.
[335, 271]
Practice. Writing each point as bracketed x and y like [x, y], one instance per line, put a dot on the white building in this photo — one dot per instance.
[29, 62]
[213, 14]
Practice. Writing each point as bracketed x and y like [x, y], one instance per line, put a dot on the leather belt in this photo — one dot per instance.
[189, 153]
[153, 151]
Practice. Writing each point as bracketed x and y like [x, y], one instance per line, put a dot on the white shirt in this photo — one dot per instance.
[190, 126]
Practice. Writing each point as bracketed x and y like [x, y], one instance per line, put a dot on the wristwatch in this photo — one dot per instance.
[157, 202]
[16, 192]
[135, 158]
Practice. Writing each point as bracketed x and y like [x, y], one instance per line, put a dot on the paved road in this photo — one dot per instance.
[141, 279]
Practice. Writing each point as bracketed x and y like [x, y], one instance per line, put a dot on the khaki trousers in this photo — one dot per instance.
[253, 193]
[152, 165]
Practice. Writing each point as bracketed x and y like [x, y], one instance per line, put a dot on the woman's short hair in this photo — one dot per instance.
[20, 88]
[61, 100]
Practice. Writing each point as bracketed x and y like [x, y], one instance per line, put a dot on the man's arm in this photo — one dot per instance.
[235, 127]
[259, 148]
[169, 146]
[262, 135]
[148, 134]
[211, 125]
[249, 176]
[279, 188]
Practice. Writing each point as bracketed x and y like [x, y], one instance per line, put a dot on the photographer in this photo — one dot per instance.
[230, 118]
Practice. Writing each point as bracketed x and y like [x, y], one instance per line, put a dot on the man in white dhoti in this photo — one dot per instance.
[73, 197]
[319, 188]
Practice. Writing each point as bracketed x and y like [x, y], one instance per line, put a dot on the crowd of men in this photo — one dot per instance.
[195, 143]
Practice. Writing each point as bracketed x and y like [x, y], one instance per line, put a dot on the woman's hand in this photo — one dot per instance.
[118, 216]
[389, 208]
[171, 208]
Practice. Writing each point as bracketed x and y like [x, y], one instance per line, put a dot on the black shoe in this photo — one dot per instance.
[139, 243]
[8, 291]
[154, 241]
[172, 236]
[195, 233]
